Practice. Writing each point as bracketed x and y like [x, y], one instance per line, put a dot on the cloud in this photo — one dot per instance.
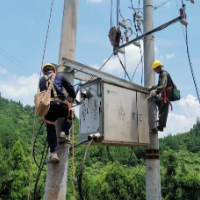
[188, 111]
[3, 71]
[94, 1]
[161, 56]
[169, 56]
[20, 88]
[113, 66]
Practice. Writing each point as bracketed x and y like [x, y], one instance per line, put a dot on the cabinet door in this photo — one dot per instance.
[120, 115]
[143, 123]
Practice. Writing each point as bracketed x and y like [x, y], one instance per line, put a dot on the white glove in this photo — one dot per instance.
[153, 93]
[149, 88]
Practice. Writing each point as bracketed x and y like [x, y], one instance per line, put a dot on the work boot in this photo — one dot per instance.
[67, 139]
[64, 138]
[160, 128]
[156, 129]
[52, 159]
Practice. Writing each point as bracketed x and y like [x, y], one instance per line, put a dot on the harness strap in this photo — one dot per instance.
[47, 85]
[59, 100]
[165, 96]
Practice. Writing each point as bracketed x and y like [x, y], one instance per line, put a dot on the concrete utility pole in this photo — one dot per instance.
[56, 178]
[153, 181]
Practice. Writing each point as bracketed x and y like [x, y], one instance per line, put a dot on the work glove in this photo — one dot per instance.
[153, 93]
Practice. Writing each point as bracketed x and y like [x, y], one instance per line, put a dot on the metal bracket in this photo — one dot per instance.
[84, 73]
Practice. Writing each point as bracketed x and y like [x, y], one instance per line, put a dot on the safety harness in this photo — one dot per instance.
[71, 111]
[166, 100]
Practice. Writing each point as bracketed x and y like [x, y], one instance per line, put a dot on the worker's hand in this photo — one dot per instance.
[153, 93]
[70, 99]
[149, 88]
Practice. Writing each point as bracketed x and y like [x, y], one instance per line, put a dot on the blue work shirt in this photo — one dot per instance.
[59, 82]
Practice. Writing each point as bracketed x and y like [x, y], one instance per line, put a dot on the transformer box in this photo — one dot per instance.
[119, 114]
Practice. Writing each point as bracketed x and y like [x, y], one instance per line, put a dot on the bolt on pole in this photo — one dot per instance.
[153, 180]
[56, 178]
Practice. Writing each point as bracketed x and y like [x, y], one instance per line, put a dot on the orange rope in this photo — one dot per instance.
[31, 160]
[73, 162]
[92, 77]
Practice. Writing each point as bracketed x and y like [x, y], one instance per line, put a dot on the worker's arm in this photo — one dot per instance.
[68, 87]
[154, 87]
[163, 85]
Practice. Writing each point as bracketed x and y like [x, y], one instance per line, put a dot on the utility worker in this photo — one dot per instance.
[58, 108]
[164, 88]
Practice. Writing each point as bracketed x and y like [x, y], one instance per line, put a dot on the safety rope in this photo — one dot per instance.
[73, 160]
[31, 160]
[92, 77]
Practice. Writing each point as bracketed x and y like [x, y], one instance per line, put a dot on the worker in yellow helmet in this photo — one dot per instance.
[58, 108]
[164, 88]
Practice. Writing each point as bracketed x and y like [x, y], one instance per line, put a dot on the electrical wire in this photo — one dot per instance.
[82, 170]
[35, 144]
[191, 67]
[181, 25]
[27, 71]
[111, 13]
[80, 143]
[123, 68]
[135, 70]
[137, 172]
[124, 63]
[132, 5]
[142, 64]
[117, 13]
[26, 67]
[42, 162]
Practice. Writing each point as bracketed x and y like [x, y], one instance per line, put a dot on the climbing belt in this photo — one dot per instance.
[31, 160]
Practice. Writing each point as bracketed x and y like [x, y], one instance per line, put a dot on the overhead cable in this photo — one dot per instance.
[15, 59]
[111, 13]
[162, 4]
[82, 170]
[191, 68]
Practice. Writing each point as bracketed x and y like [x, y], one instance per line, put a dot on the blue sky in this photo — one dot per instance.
[22, 35]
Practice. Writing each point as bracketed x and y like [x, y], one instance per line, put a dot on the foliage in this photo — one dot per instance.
[111, 173]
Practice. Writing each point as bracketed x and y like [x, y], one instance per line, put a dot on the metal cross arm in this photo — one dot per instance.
[84, 73]
[150, 32]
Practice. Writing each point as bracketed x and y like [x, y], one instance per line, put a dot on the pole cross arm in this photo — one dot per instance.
[84, 73]
[150, 32]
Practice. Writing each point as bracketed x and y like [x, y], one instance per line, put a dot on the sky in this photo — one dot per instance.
[22, 36]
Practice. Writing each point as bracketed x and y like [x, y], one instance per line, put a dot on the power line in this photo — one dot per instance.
[191, 68]
[111, 13]
[15, 63]
[162, 4]
[181, 25]
[16, 59]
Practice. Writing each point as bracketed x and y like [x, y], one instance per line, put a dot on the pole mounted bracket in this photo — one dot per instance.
[64, 68]
[152, 154]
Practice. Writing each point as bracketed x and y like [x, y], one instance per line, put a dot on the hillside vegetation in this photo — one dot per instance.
[111, 173]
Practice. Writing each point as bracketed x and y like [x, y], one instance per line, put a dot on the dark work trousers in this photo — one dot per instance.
[56, 111]
[164, 109]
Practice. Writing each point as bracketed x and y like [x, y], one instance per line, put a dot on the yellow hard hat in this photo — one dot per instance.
[49, 64]
[156, 64]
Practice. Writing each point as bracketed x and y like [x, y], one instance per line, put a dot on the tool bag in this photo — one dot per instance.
[42, 99]
[176, 94]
